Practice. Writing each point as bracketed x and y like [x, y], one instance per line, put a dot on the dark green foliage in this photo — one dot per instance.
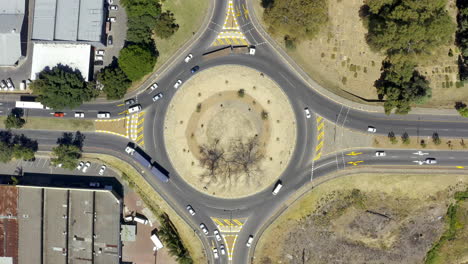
[136, 61]
[170, 236]
[14, 119]
[462, 39]
[297, 18]
[410, 26]
[241, 93]
[165, 25]
[400, 84]
[392, 137]
[436, 139]
[462, 109]
[289, 42]
[61, 87]
[142, 17]
[18, 147]
[115, 82]
[405, 138]
[68, 151]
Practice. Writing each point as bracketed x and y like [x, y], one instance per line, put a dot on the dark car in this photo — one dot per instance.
[130, 101]
[99, 63]
[110, 41]
[195, 69]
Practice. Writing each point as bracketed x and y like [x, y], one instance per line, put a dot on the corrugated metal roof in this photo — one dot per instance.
[10, 48]
[71, 20]
[44, 19]
[11, 21]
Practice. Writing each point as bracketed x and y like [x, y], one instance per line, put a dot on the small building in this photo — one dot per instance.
[69, 21]
[11, 22]
[128, 233]
[50, 54]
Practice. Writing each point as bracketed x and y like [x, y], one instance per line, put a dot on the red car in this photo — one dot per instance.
[59, 114]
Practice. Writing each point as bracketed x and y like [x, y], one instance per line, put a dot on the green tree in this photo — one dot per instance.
[410, 26]
[115, 82]
[136, 61]
[61, 87]
[297, 18]
[392, 137]
[166, 25]
[14, 119]
[18, 147]
[67, 155]
[22, 152]
[436, 139]
[462, 109]
[6, 152]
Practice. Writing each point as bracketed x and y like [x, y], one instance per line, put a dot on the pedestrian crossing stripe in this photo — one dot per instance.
[218, 222]
[228, 41]
[320, 137]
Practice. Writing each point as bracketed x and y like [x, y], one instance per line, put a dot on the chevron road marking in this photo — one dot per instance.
[355, 163]
[354, 153]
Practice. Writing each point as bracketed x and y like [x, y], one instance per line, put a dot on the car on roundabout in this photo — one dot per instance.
[217, 235]
[190, 210]
[195, 69]
[222, 249]
[130, 101]
[134, 109]
[188, 58]
[204, 229]
[157, 97]
[307, 112]
[215, 253]
[153, 87]
[249, 241]
[177, 84]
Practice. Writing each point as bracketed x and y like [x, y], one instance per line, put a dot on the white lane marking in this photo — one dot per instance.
[318, 167]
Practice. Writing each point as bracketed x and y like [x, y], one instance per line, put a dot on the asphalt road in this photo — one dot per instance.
[260, 207]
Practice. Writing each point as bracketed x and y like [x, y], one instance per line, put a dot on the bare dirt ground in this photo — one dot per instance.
[118, 126]
[208, 107]
[341, 61]
[363, 218]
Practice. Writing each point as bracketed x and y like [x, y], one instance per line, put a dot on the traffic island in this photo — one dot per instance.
[230, 131]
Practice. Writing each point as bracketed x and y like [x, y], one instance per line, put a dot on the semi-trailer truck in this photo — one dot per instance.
[146, 163]
[30, 105]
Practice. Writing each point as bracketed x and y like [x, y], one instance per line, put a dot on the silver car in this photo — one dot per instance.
[177, 84]
[157, 97]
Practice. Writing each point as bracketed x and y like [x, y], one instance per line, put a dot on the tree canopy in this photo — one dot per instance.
[14, 119]
[410, 26]
[16, 146]
[142, 17]
[166, 25]
[61, 87]
[115, 82]
[136, 61]
[462, 39]
[296, 18]
[68, 151]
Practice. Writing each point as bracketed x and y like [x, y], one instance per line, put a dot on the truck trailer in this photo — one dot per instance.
[157, 243]
[30, 105]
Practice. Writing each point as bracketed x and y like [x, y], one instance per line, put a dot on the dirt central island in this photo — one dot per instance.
[230, 131]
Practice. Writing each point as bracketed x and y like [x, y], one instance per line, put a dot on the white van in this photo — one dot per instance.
[277, 188]
[140, 220]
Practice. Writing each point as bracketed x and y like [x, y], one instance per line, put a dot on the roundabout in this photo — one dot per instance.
[230, 131]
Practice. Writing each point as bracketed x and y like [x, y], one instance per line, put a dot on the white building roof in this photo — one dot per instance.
[76, 56]
[69, 20]
[11, 21]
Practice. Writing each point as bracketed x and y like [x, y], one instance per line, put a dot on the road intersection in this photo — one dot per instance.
[238, 218]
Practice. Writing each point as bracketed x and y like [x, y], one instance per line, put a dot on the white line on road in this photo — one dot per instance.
[318, 167]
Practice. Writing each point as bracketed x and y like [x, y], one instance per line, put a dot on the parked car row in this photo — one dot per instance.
[7, 85]
[82, 166]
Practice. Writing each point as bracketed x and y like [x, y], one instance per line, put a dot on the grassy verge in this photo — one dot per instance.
[451, 248]
[156, 204]
[55, 124]
[421, 142]
[189, 15]
[408, 186]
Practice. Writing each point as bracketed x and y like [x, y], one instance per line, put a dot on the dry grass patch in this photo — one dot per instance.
[156, 203]
[118, 126]
[46, 123]
[378, 218]
[421, 143]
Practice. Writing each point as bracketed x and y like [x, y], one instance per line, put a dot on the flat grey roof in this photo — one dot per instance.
[11, 21]
[29, 220]
[69, 20]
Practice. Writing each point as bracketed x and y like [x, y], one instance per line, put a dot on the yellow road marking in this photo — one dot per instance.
[246, 12]
[120, 104]
[141, 121]
[318, 156]
[319, 118]
[141, 113]
[216, 220]
[243, 41]
[228, 41]
[355, 163]
[221, 42]
[354, 153]
[320, 135]
[124, 112]
[237, 222]
[142, 143]
[320, 126]
[139, 137]
[228, 222]
[140, 129]
[460, 167]
[319, 146]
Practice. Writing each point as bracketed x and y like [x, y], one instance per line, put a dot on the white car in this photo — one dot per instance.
[307, 112]
[86, 166]
[371, 129]
[431, 161]
[190, 210]
[217, 235]
[110, 2]
[215, 253]
[188, 58]
[380, 154]
[3, 85]
[222, 249]
[79, 114]
[99, 58]
[112, 19]
[102, 170]
[9, 84]
[177, 84]
[204, 229]
[100, 52]
[114, 7]
[157, 97]
[249, 241]
[103, 115]
[134, 109]
[153, 87]
[80, 165]
[129, 150]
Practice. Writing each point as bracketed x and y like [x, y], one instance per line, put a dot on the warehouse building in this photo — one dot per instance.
[59, 225]
[69, 20]
[11, 22]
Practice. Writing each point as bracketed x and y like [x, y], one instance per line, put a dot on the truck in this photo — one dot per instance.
[30, 105]
[157, 243]
[243, 50]
[161, 176]
[140, 219]
[108, 27]
[138, 157]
